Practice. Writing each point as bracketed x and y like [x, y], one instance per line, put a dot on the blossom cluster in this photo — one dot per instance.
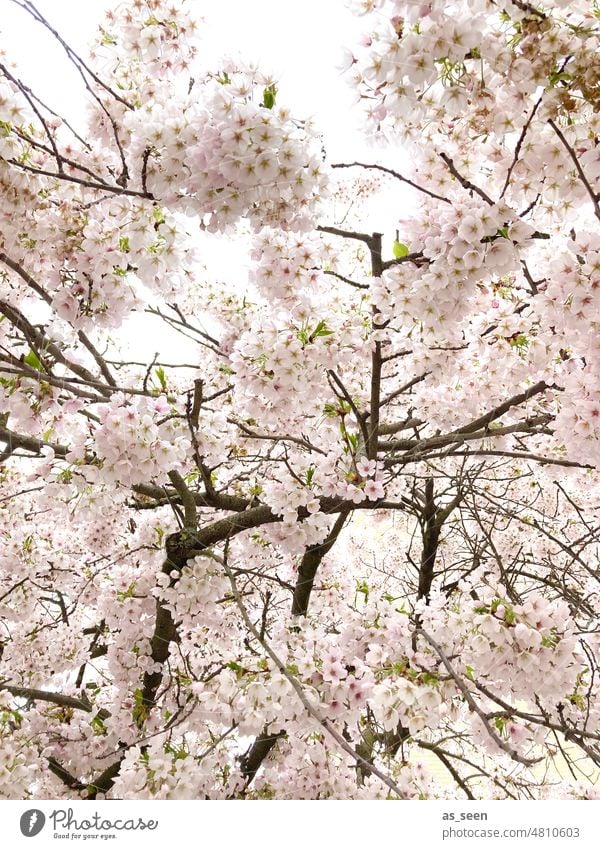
[133, 442]
[222, 154]
[459, 248]
[446, 59]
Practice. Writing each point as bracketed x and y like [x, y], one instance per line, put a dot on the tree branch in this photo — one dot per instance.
[46, 696]
[309, 565]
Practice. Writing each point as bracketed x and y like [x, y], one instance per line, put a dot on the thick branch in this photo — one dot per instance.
[484, 421]
[432, 521]
[431, 535]
[187, 499]
[260, 749]
[311, 561]
[376, 360]
[45, 696]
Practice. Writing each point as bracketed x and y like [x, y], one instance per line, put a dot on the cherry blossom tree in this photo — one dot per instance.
[355, 533]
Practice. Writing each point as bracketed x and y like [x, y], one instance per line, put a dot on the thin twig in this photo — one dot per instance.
[298, 689]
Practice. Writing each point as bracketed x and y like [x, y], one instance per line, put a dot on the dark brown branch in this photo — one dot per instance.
[593, 195]
[45, 345]
[106, 779]
[29, 443]
[430, 530]
[18, 269]
[527, 7]
[84, 339]
[187, 499]
[416, 258]
[376, 360]
[432, 521]
[347, 234]
[347, 280]
[23, 370]
[260, 749]
[519, 145]
[65, 776]
[466, 184]
[45, 696]
[485, 420]
[395, 427]
[445, 759]
[88, 184]
[417, 449]
[393, 173]
[309, 565]
[275, 437]
[404, 388]
[180, 547]
[104, 369]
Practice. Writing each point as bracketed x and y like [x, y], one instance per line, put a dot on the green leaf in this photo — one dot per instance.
[362, 587]
[139, 713]
[320, 330]
[399, 249]
[33, 361]
[128, 593]
[98, 725]
[269, 95]
[107, 38]
[160, 373]
[519, 341]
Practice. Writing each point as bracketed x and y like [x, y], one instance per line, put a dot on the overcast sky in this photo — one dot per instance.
[299, 43]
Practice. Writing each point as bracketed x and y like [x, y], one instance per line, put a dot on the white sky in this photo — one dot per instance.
[300, 44]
